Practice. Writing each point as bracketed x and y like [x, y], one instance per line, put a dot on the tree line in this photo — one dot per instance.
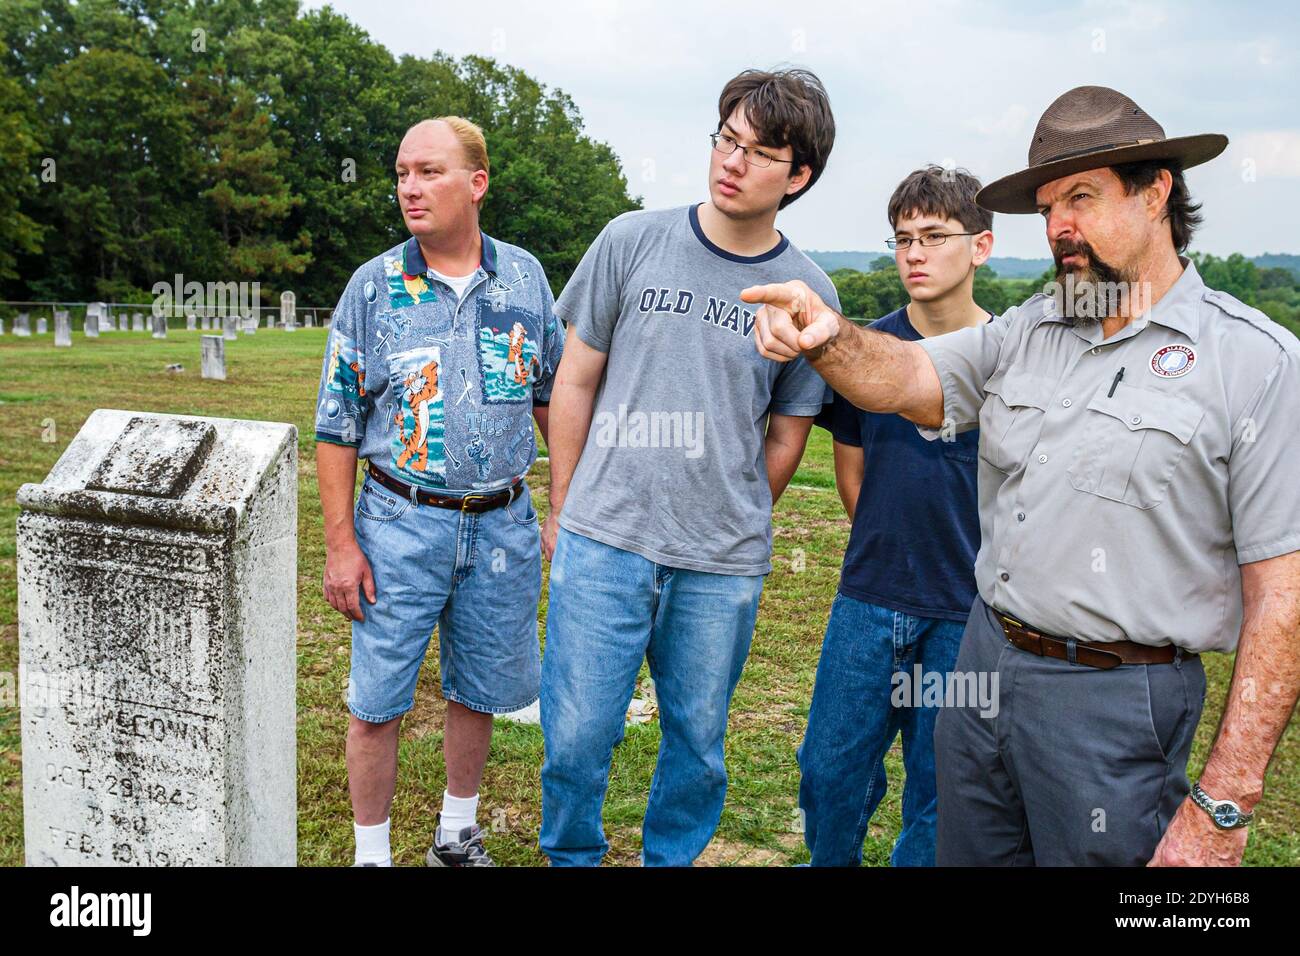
[1275, 291]
[248, 140]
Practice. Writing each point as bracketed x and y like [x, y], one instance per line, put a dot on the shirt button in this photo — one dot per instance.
[1004, 576]
[1136, 419]
[1066, 402]
[1042, 459]
[1020, 516]
[1095, 350]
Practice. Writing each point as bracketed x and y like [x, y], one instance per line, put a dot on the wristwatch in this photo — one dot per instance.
[1225, 814]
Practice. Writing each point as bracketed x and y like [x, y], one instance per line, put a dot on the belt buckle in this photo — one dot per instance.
[468, 498]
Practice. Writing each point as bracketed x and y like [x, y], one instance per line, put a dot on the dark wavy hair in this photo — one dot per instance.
[1184, 215]
[785, 108]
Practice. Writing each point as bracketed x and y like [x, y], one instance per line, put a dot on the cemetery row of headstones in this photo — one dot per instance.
[100, 319]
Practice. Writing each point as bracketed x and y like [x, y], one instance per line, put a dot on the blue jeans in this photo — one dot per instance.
[609, 609]
[853, 721]
[477, 577]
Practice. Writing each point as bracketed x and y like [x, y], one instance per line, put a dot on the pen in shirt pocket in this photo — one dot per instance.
[1118, 376]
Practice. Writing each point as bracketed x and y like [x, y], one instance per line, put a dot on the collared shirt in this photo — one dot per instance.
[435, 389]
[1119, 508]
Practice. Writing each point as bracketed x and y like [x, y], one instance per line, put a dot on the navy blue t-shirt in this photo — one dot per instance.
[916, 529]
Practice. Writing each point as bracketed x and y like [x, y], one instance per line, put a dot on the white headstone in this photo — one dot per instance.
[157, 570]
[137, 322]
[288, 310]
[93, 320]
[310, 320]
[62, 329]
[42, 325]
[159, 323]
[103, 321]
[212, 356]
[191, 322]
[2, 326]
[121, 322]
[270, 320]
[228, 327]
[22, 324]
[250, 324]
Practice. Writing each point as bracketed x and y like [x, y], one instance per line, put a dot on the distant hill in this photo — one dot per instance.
[1005, 266]
[1010, 267]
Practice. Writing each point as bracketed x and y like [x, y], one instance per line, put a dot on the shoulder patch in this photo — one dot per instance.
[1231, 305]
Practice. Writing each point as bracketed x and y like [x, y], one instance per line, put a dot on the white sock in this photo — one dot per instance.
[457, 814]
[372, 843]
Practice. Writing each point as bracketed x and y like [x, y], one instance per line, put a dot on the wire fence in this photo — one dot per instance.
[120, 316]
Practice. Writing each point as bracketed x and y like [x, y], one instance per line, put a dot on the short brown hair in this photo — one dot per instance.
[936, 191]
[1184, 215]
[785, 108]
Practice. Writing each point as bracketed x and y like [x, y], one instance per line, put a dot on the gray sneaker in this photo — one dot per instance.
[467, 851]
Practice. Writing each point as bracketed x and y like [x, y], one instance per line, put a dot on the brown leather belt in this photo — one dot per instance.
[1105, 656]
[476, 504]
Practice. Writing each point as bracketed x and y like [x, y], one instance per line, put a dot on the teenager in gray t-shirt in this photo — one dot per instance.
[674, 466]
[670, 439]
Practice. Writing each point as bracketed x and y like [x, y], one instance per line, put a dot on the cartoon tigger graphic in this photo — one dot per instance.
[420, 388]
[516, 357]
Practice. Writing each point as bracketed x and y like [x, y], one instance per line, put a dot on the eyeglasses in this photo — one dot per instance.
[725, 145]
[928, 241]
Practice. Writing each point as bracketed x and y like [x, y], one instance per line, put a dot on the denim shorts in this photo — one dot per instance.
[477, 577]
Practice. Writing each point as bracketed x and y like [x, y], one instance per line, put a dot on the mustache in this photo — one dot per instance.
[1097, 269]
[1072, 247]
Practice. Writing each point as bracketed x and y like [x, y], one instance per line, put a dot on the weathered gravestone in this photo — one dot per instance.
[22, 324]
[228, 330]
[42, 325]
[2, 326]
[159, 326]
[103, 321]
[121, 322]
[156, 625]
[310, 320]
[270, 320]
[137, 322]
[250, 324]
[62, 329]
[288, 310]
[93, 321]
[191, 322]
[212, 357]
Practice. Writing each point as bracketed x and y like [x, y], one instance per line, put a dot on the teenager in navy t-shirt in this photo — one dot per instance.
[908, 580]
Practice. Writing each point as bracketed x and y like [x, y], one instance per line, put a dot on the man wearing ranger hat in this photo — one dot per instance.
[1137, 507]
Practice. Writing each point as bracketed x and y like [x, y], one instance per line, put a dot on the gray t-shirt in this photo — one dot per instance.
[673, 468]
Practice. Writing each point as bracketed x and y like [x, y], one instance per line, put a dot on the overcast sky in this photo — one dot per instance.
[948, 82]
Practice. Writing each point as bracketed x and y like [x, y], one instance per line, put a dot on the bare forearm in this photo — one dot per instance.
[573, 406]
[1265, 685]
[849, 468]
[336, 477]
[782, 454]
[881, 373]
[542, 413]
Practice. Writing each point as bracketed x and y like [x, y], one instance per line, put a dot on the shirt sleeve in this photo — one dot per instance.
[341, 396]
[965, 360]
[840, 418]
[590, 301]
[1265, 458]
[552, 345]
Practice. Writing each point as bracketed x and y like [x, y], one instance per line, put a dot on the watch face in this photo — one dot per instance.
[1226, 815]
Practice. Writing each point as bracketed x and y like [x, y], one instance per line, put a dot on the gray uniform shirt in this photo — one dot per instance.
[674, 467]
[1125, 516]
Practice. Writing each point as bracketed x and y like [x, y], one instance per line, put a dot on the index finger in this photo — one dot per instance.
[783, 295]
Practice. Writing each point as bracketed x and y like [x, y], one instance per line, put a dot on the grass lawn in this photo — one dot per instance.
[46, 395]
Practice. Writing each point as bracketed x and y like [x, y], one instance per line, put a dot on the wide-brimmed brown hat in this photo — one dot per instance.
[1087, 128]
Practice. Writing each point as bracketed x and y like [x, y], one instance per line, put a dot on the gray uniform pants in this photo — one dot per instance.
[1079, 766]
